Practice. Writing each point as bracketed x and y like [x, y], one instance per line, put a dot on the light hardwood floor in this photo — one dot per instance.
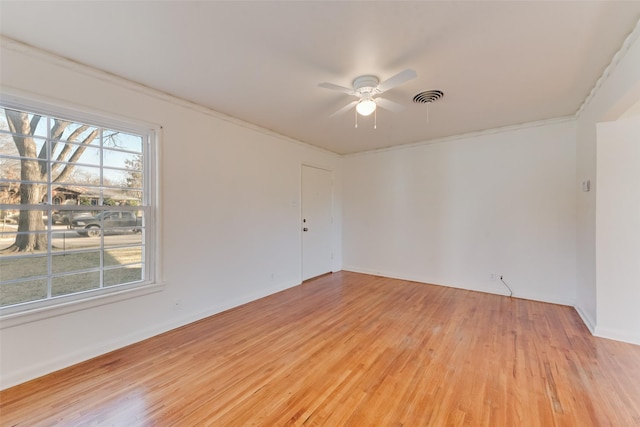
[352, 349]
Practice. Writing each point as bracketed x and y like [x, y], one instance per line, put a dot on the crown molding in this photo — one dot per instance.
[493, 131]
[619, 55]
[78, 67]
[169, 98]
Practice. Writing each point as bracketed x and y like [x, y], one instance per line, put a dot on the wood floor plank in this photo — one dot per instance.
[352, 349]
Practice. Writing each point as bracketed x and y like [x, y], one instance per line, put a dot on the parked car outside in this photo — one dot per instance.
[66, 217]
[111, 221]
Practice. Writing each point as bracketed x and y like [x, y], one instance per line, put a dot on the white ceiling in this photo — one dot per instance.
[498, 63]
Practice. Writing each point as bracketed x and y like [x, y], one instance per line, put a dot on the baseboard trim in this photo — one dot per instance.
[29, 373]
[496, 290]
[586, 319]
[616, 335]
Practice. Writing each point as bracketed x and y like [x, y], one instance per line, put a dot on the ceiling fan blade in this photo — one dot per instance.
[345, 108]
[338, 88]
[389, 105]
[401, 77]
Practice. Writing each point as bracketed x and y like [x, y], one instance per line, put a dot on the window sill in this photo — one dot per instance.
[33, 315]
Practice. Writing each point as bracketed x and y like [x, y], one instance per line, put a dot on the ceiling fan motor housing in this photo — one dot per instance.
[366, 84]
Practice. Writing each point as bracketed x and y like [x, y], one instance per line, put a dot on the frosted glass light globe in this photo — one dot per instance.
[366, 107]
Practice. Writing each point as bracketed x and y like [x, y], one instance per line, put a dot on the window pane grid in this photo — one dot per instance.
[122, 150]
[66, 273]
[49, 213]
[82, 171]
[18, 181]
[55, 164]
[123, 169]
[73, 272]
[15, 156]
[115, 267]
[40, 131]
[24, 279]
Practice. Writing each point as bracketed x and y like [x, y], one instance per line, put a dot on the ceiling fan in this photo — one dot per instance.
[366, 88]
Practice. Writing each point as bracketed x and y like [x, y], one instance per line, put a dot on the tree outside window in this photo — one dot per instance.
[58, 176]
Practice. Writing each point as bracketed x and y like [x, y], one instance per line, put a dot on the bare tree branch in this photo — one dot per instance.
[59, 126]
[57, 130]
[62, 156]
[111, 138]
[76, 155]
[34, 124]
[72, 138]
[14, 117]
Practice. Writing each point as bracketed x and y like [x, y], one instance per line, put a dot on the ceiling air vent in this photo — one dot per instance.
[428, 96]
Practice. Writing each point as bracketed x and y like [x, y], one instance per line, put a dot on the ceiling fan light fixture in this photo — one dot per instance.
[366, 87]
[365, 107]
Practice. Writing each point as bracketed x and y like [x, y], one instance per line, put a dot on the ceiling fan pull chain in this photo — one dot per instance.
[375, 118]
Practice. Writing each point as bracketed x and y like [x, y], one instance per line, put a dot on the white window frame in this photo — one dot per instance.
[41, 309]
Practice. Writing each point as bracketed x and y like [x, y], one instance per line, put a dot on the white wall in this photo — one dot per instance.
[618, 229]
[230, 216]
[616, 92]
[452, 213]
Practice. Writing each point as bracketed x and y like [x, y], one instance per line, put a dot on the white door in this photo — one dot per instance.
[317, 202]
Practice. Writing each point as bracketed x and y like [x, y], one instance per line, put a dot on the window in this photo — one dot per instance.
[76, 207]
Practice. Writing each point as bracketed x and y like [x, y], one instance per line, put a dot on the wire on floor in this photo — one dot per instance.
[505, 283]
